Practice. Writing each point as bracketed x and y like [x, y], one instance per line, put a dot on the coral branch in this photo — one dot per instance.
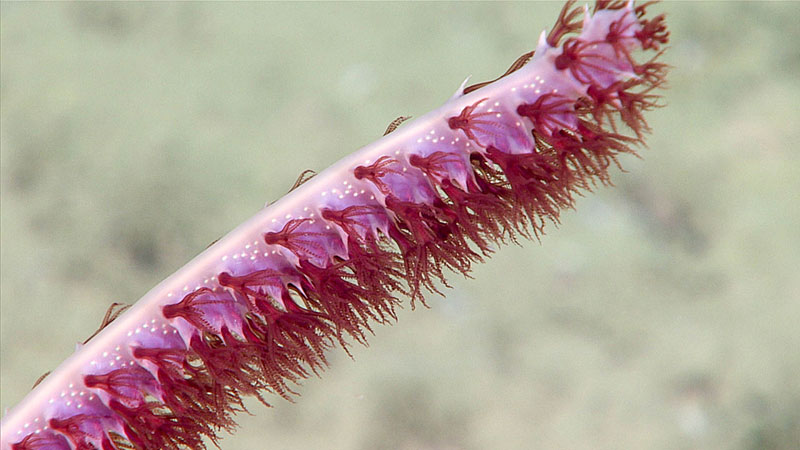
[259, 310]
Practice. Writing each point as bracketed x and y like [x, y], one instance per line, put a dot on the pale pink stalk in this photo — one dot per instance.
[258, 309]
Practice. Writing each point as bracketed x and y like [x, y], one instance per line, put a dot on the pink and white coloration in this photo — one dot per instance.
[258, 310]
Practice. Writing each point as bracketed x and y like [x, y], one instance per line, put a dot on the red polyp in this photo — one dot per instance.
[568, 22]
[467, 120]
[360, 222]
[200, 307]
[188, 391]
[84, 430]
[127, 385]
[549, 113]
[261, 286]
[483, 217]
[348, 305]
[288, 345]
[45, 440]
[587, 64]
[148, 426]
[494, 126]
[166, 359]
[306, 239]
[631, 106]
[653, 32]
[438, 165]
[375, 265]
[231, 363]
[377, 170]
[429, 240]
[538, 184]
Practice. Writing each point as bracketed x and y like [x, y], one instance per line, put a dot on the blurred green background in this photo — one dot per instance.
[662, 314]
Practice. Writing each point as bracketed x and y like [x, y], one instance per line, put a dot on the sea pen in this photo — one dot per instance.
[257, 311]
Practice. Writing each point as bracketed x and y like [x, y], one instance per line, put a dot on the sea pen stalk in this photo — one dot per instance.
[258, 310]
